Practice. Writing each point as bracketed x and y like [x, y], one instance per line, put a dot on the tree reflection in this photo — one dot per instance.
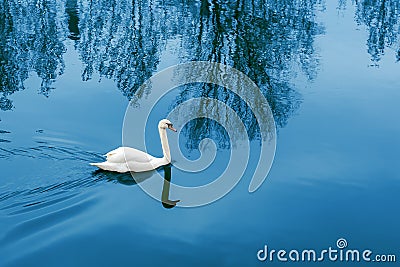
[381, 17]
[121, 40]
[266, 40]
[31, 41]
[124, 40]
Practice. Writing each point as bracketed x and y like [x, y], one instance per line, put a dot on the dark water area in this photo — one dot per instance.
[68, 69]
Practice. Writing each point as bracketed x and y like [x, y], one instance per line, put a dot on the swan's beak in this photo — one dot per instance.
[171, 128]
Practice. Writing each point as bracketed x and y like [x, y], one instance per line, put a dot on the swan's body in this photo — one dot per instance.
[125, 159]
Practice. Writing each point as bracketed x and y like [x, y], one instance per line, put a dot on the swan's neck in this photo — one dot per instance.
[164, 144]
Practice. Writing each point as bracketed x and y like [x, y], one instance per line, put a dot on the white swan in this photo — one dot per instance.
[125, 159]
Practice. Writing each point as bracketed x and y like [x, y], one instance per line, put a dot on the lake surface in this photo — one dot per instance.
[68, 69]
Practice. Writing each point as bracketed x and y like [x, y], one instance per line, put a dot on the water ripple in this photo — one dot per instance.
[72, 181]
[35, 225]
[43, 150]
[17, 202]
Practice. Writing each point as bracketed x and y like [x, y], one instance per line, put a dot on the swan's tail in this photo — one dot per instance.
[101, 165]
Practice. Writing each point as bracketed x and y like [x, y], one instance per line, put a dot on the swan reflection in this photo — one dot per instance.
[124, 178]
[166, 202]
[136, 178]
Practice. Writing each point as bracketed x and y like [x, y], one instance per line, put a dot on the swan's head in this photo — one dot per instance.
[164, 124]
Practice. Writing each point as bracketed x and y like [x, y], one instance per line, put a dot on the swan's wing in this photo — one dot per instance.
[123, 154]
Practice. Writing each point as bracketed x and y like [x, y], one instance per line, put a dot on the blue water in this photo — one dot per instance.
[69, 68]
